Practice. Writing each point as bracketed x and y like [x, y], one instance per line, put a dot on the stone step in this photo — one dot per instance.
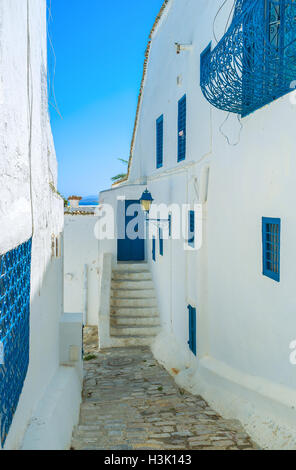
[131, 267]
[133, 294]
[146, 302]
[131, 341]
[134, 312]
[132, 285]
[130, 276]
[134, 321]
[134, 330]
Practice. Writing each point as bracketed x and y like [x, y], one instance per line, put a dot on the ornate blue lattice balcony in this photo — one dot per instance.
[255, 61]
[15, 269]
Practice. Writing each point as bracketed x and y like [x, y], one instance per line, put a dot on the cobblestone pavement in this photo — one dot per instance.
[131, 403]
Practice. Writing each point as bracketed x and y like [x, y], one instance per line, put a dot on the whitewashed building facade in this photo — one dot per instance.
[40, 375]
[239, 286]
[81, 270]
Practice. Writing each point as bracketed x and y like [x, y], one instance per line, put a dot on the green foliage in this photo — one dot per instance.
[120, 176]
[54, 190]
[90, 357]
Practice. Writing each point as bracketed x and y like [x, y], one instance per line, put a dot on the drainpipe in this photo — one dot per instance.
[85, 294]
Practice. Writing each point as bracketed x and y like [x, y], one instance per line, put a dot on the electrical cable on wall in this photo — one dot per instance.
[228, 20]
[30, 109]
[229, 17]
[225, 136]
[216, 16]
[51, 83]
[226, 27]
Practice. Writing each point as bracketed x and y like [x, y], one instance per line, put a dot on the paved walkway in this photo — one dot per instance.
[131, 403]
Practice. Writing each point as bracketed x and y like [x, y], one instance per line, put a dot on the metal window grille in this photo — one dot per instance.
[255, 61]
[15, 273]
[182, 129]
[159, 142]
[271, 231]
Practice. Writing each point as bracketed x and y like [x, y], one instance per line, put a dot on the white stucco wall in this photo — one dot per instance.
[81, 267]
[28, 203]
[245, 321]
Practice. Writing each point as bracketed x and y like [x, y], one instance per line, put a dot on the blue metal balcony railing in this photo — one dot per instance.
[15, 269]
[255, 61]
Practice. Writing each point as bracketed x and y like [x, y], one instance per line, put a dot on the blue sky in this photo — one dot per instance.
[99, 48]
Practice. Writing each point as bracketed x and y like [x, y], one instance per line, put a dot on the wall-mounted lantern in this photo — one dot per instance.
[146, 202]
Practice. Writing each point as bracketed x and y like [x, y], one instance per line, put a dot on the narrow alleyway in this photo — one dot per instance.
[131, 403]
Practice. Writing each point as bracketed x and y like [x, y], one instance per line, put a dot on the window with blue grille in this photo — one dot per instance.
[191, 228]
[271, 238]
[182, 129]
[161, 242]
[272, 58]
[281, 23]
[15, 272]
[192, 329]
[153, 249]
[254, 62]
[159, 142]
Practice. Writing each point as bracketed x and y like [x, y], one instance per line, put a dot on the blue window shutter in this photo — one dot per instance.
[271, 246]
[159, 142]
[170, 225]
[192, 329]
[191, 228]
[182, 129]
[160, 242]
[153, 249]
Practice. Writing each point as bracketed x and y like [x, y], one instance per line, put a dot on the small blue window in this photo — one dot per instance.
[159, 142]
[182, 129]
[191, 228]
[271, 239]
[153, 249]
[192, 329]
[160, 242]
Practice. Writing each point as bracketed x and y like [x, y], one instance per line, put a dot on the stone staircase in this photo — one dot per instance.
[134, 319]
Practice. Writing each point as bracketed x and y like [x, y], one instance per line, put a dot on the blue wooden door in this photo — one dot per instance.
[131, 231]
